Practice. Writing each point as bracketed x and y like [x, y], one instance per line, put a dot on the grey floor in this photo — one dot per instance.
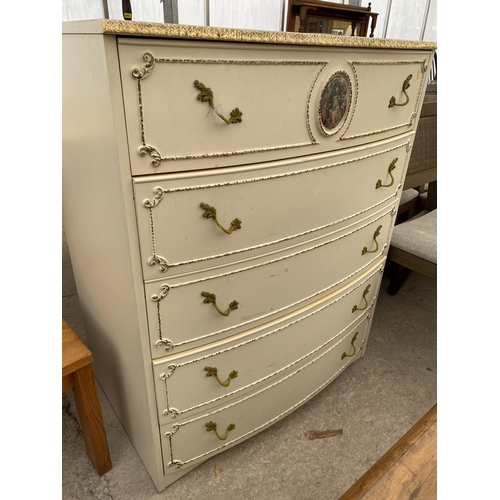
[376, 401]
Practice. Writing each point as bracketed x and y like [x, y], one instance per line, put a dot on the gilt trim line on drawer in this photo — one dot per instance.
[356, 81]
[175, 412]
[176, 427]
[159, 193]
[141, 74]
[165, 377]
[155, 259]
[157, 298]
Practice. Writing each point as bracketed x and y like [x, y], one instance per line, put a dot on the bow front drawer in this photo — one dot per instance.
[187, 224]
[201, 106]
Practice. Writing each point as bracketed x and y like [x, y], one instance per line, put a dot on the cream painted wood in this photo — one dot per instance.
[286, 202]
[259, 354]
[304, 196]
[263, 289]
[279, 120]
[189, 440]
[101, 231]
[376, 82]
[170, 124]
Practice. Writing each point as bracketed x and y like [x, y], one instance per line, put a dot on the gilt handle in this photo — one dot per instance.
[406, 85]
[206, 95]
[392, 166]
[365, 293]
[212, 426]
[212, 372]
[375, 235]
[210, 298]
[211, 213]
[345, 355]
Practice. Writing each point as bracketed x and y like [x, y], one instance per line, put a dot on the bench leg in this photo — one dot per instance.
[398, 276]
[90, 416]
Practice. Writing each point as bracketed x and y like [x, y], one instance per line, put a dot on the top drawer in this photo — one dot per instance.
[281, 101]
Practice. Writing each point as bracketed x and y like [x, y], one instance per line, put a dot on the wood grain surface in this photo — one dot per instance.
[408, 471]
[74, 354]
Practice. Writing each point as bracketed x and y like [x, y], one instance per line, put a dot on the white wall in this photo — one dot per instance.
[402, 19]
[258, 15]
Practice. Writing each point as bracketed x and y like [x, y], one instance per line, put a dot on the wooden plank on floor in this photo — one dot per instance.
[407, 471]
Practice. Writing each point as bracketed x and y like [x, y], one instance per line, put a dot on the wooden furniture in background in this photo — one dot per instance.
[77, 374]
[407, 471]
[316, 16]
[413, 248]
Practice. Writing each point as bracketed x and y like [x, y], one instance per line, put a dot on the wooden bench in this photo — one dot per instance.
[77, 374]
[408, 471]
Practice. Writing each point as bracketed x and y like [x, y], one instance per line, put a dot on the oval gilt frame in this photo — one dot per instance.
[335, 103]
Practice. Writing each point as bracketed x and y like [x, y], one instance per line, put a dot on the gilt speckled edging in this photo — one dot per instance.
[117, 27]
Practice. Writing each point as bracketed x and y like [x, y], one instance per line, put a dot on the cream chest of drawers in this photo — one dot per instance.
[228, 199]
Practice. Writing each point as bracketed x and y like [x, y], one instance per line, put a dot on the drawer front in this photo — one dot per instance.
[276, 206]
[178, 97]
[189, 441]
[184, 314]
[209, 376]
[192, 106]
[388, 97]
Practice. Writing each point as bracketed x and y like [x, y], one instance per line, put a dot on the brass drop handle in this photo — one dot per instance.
[211, 213]
[206, 95]
[210, 298]
[375, 235]
[345, 355]
[406, 85]
[365, 293]
[212, 426]
[212, 372]
[392, 166]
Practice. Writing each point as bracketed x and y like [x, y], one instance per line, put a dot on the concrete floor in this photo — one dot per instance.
[376, 401]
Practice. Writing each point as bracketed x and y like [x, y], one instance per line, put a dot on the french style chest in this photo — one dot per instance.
[228, 199]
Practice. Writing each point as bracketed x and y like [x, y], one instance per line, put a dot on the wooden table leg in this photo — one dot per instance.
[90, 416]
